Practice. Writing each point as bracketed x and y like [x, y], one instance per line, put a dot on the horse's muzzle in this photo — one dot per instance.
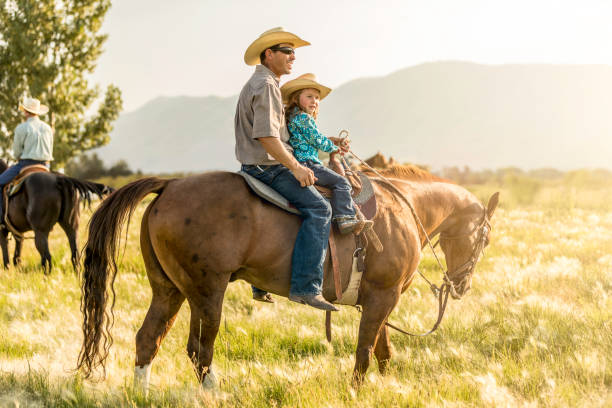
[460, 289]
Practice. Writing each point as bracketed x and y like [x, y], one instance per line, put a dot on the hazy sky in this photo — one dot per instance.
[196, 47]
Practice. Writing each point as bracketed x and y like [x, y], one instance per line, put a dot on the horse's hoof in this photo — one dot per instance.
[357, 381]
[210, 381]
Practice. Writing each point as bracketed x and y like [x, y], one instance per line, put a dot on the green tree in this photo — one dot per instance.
[121, 168]
[47, 50]
[86, 167]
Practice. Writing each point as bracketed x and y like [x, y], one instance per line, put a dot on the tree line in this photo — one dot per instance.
[92, 167]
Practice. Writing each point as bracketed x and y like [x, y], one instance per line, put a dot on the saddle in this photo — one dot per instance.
[346, 257]
[14, 187]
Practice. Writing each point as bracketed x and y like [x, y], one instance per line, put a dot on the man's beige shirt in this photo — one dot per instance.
[259, 113]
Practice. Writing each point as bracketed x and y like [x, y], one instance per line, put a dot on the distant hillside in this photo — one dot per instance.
[442, 114]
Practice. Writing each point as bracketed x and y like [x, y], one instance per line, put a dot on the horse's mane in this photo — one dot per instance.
[406, 172]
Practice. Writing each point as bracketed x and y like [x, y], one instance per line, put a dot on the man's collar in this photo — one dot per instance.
[265, 70]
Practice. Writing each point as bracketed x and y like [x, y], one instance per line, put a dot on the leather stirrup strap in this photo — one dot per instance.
[337, 282]
[5, 215]
[335, 268]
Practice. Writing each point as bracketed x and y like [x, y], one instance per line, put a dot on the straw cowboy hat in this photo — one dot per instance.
[271, 37]
[303, 82]
[34, 106]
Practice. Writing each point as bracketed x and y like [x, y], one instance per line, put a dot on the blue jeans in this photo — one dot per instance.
[9, 174]
[311, 242]
[341, 200]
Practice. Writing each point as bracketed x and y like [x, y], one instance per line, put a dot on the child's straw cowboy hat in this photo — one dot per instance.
[271, 37]
[305, 81]
[34, 106]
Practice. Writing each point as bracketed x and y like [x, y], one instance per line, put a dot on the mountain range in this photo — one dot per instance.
[440, 114]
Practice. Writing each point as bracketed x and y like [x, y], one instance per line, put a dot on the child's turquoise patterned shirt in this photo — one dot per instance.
[306, 139]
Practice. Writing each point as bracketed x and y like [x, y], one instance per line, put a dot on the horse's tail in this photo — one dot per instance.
[100, 269]
[72, 188]
[86, 189]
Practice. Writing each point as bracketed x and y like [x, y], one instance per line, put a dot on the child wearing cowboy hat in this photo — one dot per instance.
[301, 97]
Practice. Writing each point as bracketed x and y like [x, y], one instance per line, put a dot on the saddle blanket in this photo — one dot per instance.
[365, 199]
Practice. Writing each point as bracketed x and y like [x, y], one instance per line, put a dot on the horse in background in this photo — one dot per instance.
[43, 200]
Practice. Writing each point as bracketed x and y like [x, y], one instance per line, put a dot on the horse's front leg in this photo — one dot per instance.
[382, 351]
[377, 305]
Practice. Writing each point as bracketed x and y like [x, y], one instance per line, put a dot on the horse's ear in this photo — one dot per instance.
[492, 205]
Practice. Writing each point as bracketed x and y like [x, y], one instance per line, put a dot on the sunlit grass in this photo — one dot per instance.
[534, 331]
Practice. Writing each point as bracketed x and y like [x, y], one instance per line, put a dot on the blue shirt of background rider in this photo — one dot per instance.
[306, 139]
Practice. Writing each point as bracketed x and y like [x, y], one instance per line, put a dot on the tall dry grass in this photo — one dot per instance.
[534, 331]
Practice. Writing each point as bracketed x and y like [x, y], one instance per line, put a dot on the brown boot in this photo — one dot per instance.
[354, 225]
[348, 225]
[317, 301]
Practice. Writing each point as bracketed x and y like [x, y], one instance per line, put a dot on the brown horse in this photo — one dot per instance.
[205, 231]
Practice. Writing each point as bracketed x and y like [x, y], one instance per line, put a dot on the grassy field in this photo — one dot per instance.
[536, 329]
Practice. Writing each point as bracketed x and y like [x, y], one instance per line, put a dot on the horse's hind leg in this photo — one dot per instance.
[70, 228]
[205, 297]
[165, 304]
[203, 328]
[17, 253]
[41, 240]
[162, 312]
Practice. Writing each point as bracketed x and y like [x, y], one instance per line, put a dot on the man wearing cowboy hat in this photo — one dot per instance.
[263, 150]
[33, 144]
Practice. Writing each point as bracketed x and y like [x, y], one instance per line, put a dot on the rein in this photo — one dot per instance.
[447, 286]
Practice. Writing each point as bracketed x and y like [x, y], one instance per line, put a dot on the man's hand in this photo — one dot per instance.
[275, 148]
[304, 175]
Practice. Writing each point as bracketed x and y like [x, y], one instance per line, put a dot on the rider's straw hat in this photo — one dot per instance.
[34, 106]
[271, 37]
[303, 82]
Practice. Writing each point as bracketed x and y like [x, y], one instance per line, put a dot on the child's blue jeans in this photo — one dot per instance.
[341, 201]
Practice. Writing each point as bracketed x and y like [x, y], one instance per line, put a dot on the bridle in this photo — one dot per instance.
[465, 270]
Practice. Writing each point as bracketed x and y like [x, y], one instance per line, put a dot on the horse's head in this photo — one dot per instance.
[463, 239]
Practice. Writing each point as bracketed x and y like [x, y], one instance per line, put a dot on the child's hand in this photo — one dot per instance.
[344, 144]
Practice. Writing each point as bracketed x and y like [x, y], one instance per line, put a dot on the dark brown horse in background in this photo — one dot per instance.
[205, 231]
[44, 200]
